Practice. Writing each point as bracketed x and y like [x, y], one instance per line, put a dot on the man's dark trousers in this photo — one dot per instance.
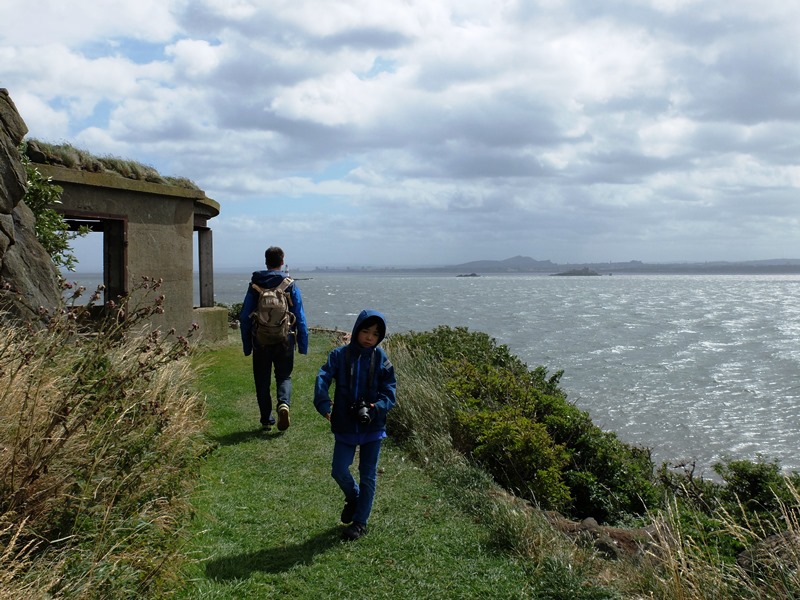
[280, 357]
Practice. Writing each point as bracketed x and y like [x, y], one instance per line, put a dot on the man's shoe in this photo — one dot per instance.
[354, 531]
[283, 417]
[349, 510]
[268, 425]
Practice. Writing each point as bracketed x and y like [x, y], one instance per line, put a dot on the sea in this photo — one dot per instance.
[698, 368]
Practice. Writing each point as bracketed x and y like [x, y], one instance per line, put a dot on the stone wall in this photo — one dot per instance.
[28, 278]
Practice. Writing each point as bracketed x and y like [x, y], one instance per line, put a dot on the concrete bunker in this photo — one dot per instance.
[148, 230]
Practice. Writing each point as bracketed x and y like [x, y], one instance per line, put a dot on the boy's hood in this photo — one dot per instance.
[363, 316]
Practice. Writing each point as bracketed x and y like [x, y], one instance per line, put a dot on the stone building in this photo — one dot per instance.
[149, 230]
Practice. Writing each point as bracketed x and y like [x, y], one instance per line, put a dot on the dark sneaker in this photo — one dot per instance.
[349, 510]
[268, 425]
[354, 531]
[283, 417]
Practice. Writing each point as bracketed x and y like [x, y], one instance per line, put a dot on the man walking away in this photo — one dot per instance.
[272, 322]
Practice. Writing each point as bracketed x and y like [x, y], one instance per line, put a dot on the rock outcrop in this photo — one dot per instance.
[28, 279]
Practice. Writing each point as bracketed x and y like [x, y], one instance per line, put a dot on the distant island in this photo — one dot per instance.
[584, 272]
[526, 264]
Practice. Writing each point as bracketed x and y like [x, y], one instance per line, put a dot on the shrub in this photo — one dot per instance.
[759, 485]
[100, 429]
[517, 423]
[520, 454]
[610, 479]
[233, 312]
[466, 406]
[52, 230]
[754, 501]
[446, 345]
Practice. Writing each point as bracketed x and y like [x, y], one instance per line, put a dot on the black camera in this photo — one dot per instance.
[361, 412]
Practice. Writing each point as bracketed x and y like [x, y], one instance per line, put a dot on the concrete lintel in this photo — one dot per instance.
[203, 203]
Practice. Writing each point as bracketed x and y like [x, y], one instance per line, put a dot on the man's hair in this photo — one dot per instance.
[274, 256]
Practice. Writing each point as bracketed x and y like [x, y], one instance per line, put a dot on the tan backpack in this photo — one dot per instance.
[272, 319]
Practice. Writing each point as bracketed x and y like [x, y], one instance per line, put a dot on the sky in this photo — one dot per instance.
[418, 133]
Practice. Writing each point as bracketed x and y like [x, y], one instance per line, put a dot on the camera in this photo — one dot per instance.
[361, 412]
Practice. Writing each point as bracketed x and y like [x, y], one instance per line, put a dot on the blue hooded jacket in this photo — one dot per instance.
[350, 366]
[270, 279]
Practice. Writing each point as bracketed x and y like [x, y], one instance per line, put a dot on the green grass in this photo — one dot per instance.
[267, 511]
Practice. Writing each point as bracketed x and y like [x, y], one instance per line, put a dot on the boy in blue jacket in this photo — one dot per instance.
[364, 393]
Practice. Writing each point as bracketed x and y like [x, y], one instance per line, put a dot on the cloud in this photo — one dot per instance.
[372, 133]
[83, 22]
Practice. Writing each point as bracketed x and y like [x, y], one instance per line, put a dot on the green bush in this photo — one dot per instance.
[753, 501]
[610, 480]
[463, 398]
[517, 423]
[448, 345]
[52, 230]
[759, 486]
[519, 453]
[233, 311]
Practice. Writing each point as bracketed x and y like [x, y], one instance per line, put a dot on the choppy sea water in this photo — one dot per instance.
[697, 368]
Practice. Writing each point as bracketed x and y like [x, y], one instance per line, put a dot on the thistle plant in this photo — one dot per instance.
[98, 428]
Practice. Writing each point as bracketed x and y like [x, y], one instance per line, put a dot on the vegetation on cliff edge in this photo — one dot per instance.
[103, 431]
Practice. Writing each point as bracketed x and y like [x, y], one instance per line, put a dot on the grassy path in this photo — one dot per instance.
[267, 511]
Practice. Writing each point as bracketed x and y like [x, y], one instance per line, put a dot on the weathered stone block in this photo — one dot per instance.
[12, 173]
[25, 266]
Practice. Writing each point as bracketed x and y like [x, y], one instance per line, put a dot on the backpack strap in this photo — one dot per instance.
[287, 281]
[282, 286]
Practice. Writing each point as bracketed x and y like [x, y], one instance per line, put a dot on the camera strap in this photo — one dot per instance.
[351, 370]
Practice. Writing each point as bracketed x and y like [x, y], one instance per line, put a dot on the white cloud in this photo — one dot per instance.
[237, 10]
[556, 128]
[667, 137]
[27, 23]
[194, 57]
[333, 100]
[41, 117]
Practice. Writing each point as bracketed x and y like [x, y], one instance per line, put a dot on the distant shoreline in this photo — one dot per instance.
[602, 269]
[528, 266]
[649, 270]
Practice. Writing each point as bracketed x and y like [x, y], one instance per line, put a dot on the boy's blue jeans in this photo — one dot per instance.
[364, 490]
[265, 358]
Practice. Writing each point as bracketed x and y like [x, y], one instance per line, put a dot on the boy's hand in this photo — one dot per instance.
[328, 416]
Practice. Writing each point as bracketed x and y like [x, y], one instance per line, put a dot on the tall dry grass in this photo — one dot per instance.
[99, 434]
[687, 569]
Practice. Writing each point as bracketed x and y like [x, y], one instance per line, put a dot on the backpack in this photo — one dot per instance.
[272, 319]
